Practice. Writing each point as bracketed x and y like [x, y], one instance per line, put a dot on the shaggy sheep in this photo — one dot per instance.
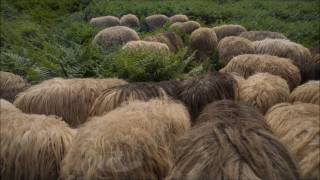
[32, 146]
[264, 90]
[105, 21]
[240, 79]
[308, 92]
[300, 55]
[130, 142]
[232, 46]
[146, 46]
[114, 36]
[7, 107]
[228, 30]
[186, 27]
[130, 20]
[156, 21]
[201, 90]
[11, 85]
[232, 142]
[298, 127]
[204, 42]
[171, 39]
[248, 64]
[172, 87]
[178, 18]
[70, 99]
[261, 35]
[114, 97]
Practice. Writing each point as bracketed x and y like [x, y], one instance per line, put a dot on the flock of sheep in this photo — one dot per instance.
[257, 118]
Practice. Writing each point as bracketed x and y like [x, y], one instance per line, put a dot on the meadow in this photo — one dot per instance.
[41, 39]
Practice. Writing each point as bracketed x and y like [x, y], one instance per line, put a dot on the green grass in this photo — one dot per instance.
[41, 39]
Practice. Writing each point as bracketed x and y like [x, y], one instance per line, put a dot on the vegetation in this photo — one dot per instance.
[41, 39]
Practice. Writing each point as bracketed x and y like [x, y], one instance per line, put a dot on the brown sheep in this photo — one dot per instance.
[114, 97]
[130, 20]
[186, 27]
[228, 30]
[232, 141]
[32, 146]
[264, 90]
[261, 35]
[7, 107]
[105, 21]
[146, 46]
[308, 92]
[204, 42]
[156, 21]
[249, 64]
[131, 142]
[171, 39]
[11, 85]
[115, 36]
[199, 91]
[298, 127]
[171, 87]
[70, 99]
[232, 46]
[178, 18]
[300, 56]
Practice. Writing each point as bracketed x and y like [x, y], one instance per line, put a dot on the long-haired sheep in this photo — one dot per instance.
[264, 90]
[232, 46]
[232, 141]
[131, 142]
[201, 90]
[11, 85]
[298, 127]
[70, 99]
[171, 87]
[130, 20]
[178, 18]
[300, 55]
[261, 35]
[114, 97]
[186, 27]
[228, 30]
[171, 39]
[105, 21]
[115, 36]
[146, 46]
[156, 21]
[6, 107]
[204, 41]
[32, 146]
[249, 64]
[308, 92]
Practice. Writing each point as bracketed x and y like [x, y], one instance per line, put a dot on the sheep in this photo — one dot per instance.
[156, 21]
[178, 18]
[298, 127]
[264, 90]
[146, 46]
[32, 146]
[171, 39]
[11, 85]
[308, 92]
[70, 99]
[7, 107]
[232, 141]
[186, 27]
[228, 30]
[204, 42]
[261, 35]
[232, 46]
[201, 90]
[105, 21]
[114, 97]
[171, 87]
[130, 20]
[133, 141]
[300, 56]
[248, 64]
[115, 36]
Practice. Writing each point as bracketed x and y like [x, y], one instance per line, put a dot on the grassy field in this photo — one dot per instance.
[41, 39]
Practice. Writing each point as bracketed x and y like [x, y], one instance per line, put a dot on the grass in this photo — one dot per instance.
[41, 39]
